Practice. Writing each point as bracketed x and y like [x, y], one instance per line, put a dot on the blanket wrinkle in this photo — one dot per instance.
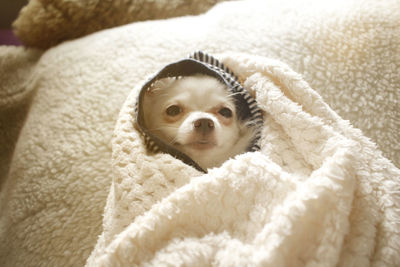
[254, 210]
[18, 82]
[368, 210]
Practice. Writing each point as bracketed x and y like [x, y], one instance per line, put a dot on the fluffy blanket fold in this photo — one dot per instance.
[318, 193]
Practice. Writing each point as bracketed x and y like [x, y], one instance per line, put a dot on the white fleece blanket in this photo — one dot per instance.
[318, 193]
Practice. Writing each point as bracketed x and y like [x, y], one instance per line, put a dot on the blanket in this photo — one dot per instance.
[66, 160]
[318, 193]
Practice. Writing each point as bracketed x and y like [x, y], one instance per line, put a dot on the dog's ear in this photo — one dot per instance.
[160, 85]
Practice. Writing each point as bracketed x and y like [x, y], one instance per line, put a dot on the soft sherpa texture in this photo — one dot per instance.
[16, 87]
[45, 23]
[304, 200]
[53, 198]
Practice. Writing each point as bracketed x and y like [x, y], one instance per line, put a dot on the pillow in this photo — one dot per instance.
[45, 23]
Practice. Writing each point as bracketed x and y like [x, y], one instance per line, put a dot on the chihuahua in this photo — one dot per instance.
[197, 115]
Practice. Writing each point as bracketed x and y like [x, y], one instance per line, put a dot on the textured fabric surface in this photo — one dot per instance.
[304, 199]
[17, 78]
[53, 197]
[45, 23]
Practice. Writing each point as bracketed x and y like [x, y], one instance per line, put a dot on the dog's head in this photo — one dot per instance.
[196, 115]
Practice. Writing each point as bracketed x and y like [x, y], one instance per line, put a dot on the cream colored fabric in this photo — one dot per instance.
[304, 199]
[62, 177]
[44, 23]
[17, 80]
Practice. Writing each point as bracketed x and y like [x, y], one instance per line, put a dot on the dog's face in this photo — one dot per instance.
[196, 115]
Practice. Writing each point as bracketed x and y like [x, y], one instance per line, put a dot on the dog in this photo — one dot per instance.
[197, 115]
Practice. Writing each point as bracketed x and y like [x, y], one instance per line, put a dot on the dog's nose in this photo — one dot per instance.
[203, 126]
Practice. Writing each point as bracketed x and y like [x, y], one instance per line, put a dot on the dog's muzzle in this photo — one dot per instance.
[204, 126]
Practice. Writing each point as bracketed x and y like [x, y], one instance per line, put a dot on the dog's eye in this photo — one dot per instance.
[226, 112]
[173, 110]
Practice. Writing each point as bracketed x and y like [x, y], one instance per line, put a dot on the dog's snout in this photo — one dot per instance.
[204, 125]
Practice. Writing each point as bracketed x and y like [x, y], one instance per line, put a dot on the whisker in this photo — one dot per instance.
[233, 94]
